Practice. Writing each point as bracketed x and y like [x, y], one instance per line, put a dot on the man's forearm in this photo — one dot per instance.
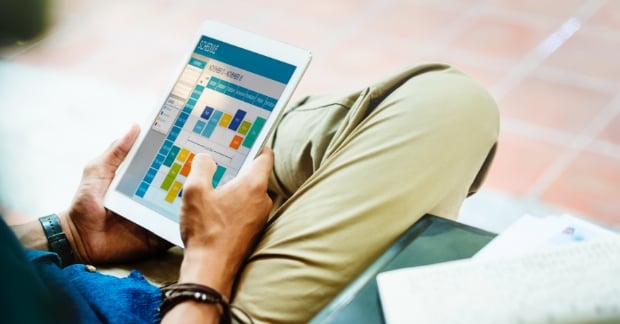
[31, 235]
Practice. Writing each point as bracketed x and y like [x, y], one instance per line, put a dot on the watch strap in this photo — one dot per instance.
[56, 239]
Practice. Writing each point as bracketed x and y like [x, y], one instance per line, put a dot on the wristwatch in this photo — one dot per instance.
[56, 239]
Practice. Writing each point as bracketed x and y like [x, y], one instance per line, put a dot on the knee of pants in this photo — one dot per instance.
[456, 107]
[444, 100]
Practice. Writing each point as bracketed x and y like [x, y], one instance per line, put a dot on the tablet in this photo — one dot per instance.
[226, 98]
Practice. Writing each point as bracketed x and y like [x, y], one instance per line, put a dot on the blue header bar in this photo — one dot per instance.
[241, 93]
[244, 59]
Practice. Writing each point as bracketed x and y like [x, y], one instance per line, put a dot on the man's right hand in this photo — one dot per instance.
[219, 226]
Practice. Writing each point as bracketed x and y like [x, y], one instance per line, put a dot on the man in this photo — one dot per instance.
[351, 173]
[216, 232]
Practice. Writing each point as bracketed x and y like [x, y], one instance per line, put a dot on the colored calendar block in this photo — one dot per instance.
[236, 141]
[174, 191]
[172, 155]
[150, 175]
[217, 176]
[174, 133]
[142, 189]
[182, 119]
[200, 125]
[244, 128]
[165, 148]
[225, 120]
[187, 166]
[215, 118]
[172, 174]
[183, 155]
[158, 161]
[237, 119]
[253, 133]
[206, 113]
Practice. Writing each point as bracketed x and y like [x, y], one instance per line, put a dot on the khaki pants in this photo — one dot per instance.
[352, 172]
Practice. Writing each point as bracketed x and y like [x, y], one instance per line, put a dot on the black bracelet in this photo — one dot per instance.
[56, 239]
[177, 293]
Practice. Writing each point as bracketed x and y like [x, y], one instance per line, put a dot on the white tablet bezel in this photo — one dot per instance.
[300, 58]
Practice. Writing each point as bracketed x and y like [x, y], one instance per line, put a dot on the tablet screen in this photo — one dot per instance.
[219, 104]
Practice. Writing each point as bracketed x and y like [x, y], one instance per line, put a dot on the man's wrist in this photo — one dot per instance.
[57, 239]
[30, 235]
[209, 268]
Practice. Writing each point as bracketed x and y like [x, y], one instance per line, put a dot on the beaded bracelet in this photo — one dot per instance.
[177, 293]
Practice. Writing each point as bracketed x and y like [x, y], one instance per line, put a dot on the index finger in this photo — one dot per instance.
[260, 169]
[201, 172]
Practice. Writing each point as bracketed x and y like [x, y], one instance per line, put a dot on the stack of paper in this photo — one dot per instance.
[532, 273]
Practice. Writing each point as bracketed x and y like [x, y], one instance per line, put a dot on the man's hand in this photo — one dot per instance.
[96, 234]
[219, 226]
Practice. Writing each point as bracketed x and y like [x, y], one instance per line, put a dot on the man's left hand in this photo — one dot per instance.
[98, 235]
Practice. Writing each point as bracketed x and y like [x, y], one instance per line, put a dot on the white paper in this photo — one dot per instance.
[557, 269]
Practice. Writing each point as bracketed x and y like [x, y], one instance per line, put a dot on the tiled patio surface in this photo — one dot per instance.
[553, 67]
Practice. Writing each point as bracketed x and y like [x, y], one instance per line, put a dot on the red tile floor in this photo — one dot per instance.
[551, 65]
